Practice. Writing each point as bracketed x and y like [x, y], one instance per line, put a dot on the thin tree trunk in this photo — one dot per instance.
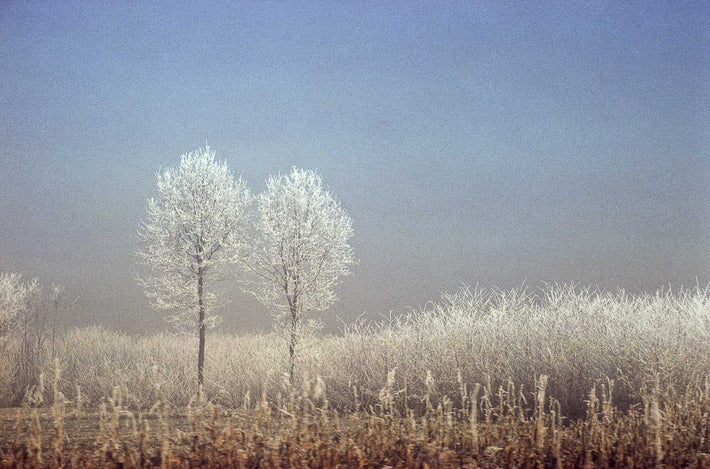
[292, 345]
[54, 327]
[201, 351]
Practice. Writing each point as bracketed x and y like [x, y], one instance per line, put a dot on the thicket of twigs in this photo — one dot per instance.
[577, 337]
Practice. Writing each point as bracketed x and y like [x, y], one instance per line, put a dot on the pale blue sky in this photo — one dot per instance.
[471, 142]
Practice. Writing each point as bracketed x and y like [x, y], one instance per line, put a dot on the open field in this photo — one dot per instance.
[563, 378]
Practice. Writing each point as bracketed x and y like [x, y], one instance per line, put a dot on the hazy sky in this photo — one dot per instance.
[471, 142]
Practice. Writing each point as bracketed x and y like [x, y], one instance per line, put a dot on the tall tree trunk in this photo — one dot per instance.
[201, 351]
[292, 345]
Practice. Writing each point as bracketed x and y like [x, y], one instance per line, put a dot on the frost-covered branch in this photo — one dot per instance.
[196, 224]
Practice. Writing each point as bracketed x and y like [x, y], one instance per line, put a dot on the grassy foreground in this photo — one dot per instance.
[667, 431]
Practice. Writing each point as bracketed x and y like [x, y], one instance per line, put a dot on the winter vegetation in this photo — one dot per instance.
[578, 338]
[299, 251]
[193, 228]
[294, 247]
[558, 376]
[15, 298]
[30, 322]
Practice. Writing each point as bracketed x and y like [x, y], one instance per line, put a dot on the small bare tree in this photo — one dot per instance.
[22, 326]
[193, 228]
[15, 296]
[27, 315]
[299, 250]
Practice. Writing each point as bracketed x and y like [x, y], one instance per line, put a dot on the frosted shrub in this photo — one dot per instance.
[15, 295]
[579, 338]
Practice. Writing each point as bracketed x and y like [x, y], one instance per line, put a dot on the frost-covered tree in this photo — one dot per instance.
[22, 318]
[15, 295]
[299, 251]
[193, 228]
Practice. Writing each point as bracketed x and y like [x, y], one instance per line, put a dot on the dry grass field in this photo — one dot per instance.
[306, 433]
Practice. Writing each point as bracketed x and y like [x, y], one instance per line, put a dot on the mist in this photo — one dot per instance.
[485, 145]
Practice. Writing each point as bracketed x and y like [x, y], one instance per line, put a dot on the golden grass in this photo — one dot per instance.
[492, 429]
